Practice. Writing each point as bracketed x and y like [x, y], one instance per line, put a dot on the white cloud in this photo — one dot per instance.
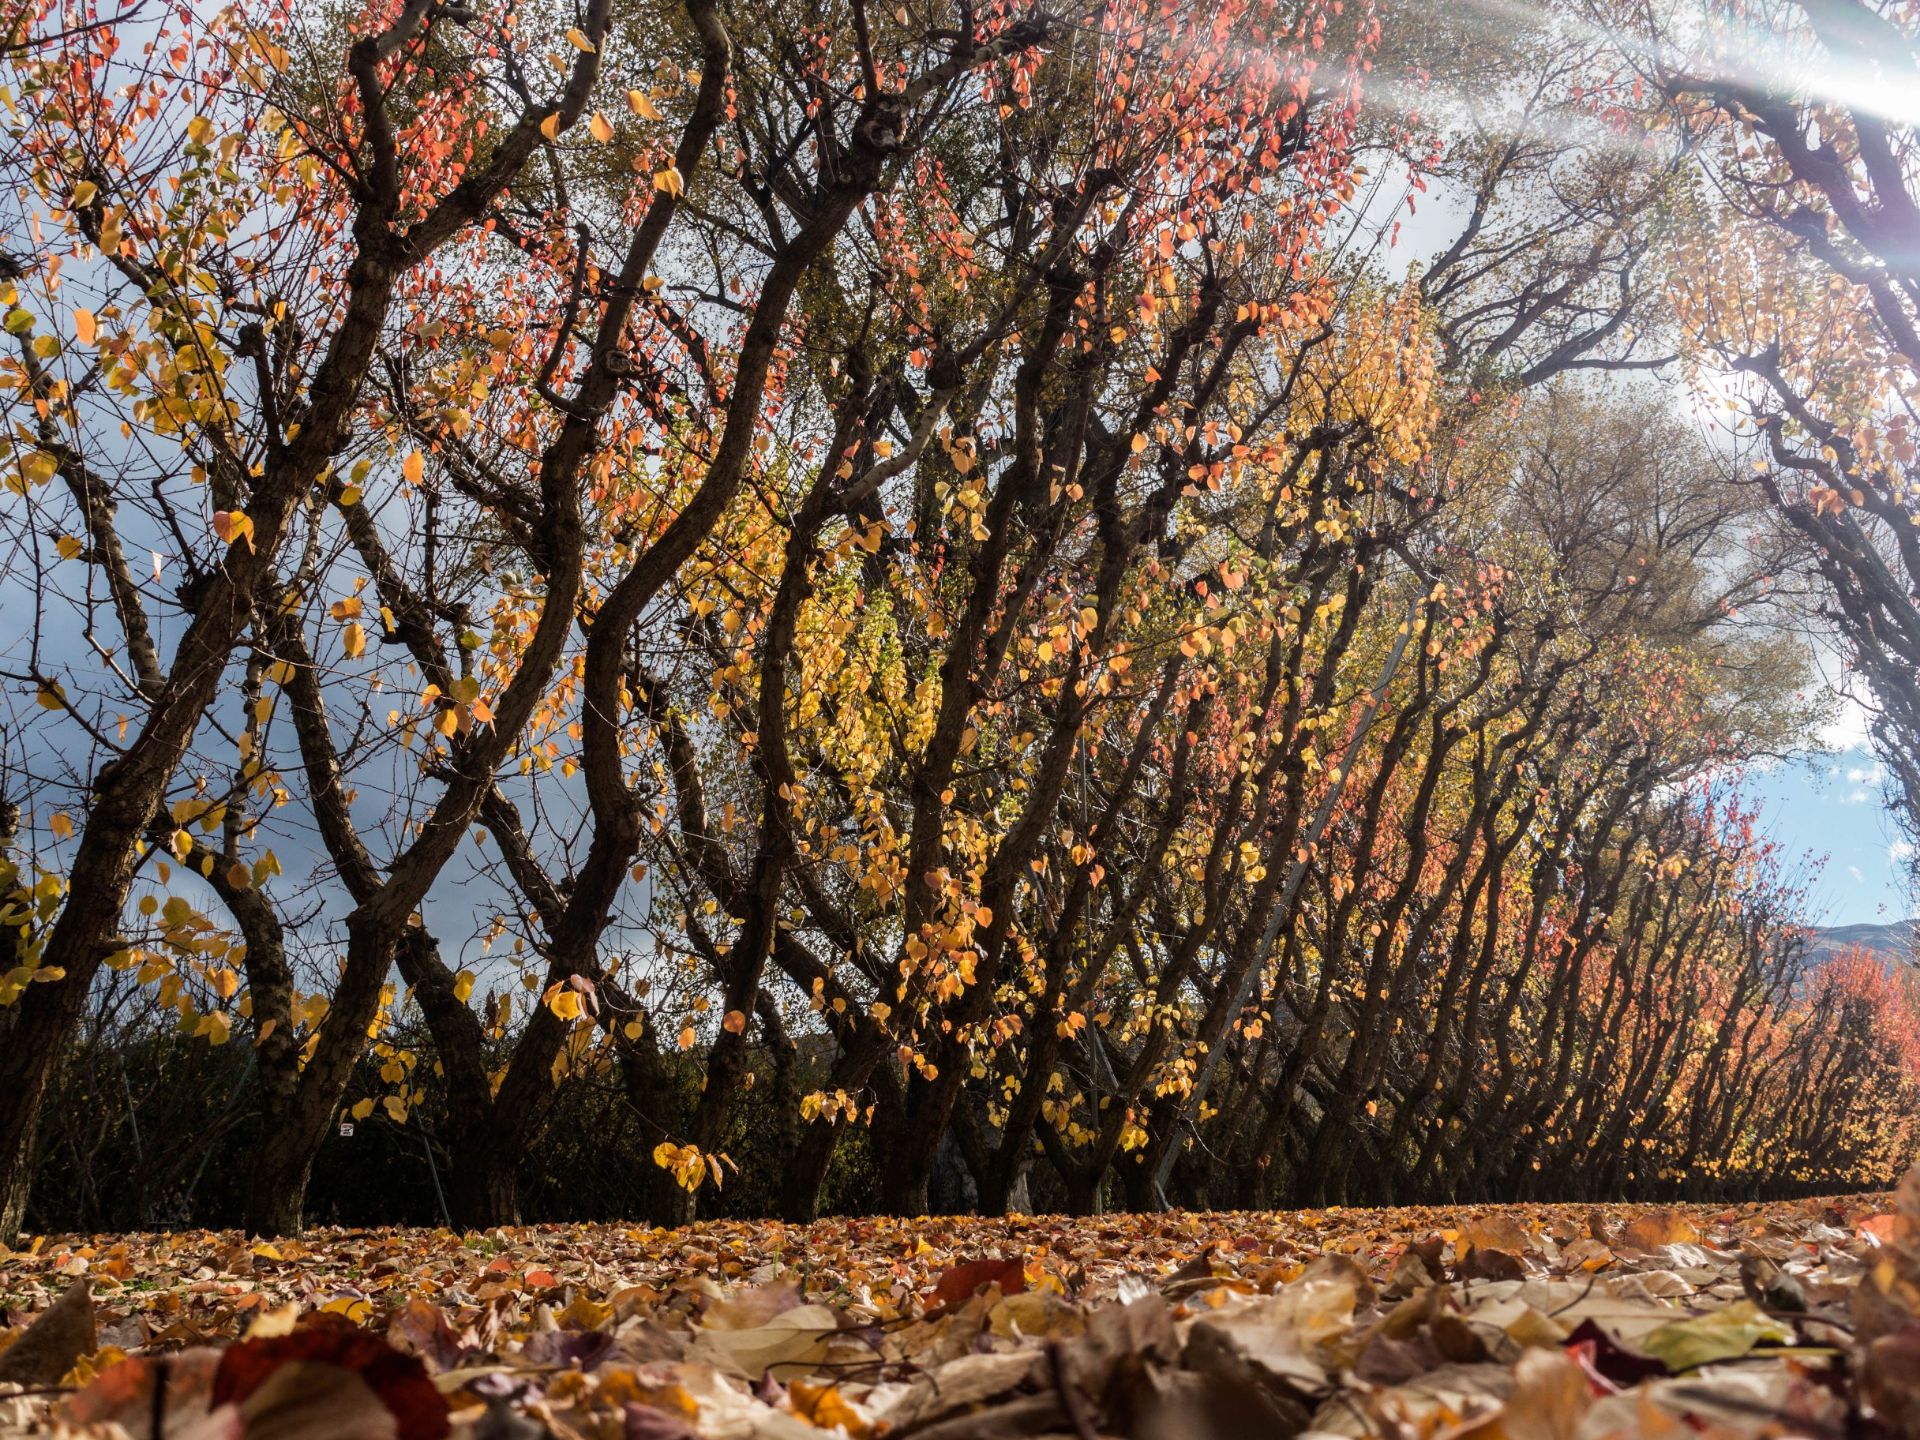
[1855, 797]
[1867, 775]
[1849, 728]
[1858, 878]
[1900, 851]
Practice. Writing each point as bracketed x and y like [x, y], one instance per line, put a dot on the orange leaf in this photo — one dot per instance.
[962, 1281]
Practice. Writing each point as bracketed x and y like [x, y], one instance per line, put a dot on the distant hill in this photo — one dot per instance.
[1895, 939]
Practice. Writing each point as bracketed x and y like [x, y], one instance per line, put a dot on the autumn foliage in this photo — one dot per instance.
[916, 581]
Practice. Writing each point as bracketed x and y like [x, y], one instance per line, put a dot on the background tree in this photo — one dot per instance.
[925, 585]
[1798, 275]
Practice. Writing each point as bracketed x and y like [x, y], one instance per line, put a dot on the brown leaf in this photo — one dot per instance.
[1236, 1347]
[1550, 1397]
[54, 1341]
[649, 1422]
[1213, 1406]
[421, 1328]
[1598, 1228]
[1112, 1367]
[1652, 1229]
[123, 1394]
[1585, 1254]
[1200, 1267]
[310, 1400]
[1890, 1380]
[1497, 1232]
[1483, 1263]
[1766, 1284]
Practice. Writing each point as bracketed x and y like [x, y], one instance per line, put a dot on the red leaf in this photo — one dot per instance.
[961, 1281]
[399, 1380]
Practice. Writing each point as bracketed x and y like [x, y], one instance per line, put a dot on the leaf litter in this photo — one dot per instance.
[1526, 1322]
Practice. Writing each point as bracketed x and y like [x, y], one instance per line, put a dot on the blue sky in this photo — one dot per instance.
[1834, 805]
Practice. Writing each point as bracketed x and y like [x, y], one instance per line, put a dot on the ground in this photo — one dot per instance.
[1561, 1323]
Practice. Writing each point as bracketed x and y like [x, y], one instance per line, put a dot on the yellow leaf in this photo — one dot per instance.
[641, 104]
[824, 1408]
[396, 1109]
[67, 546]
[463, 986]
[601, 127]
[584, 1314]
[669, 180]
[354, 640]
[60, 825]
[233, 526]
[735, 1023]
[363, 1109]
[50, 696]
[577, 38]
[414, 467]
[271, 1324]
[550, 127]
[84, 327]
[182, 844]
[83, 195]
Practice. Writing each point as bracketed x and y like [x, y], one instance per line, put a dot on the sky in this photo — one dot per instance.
[1833, 805]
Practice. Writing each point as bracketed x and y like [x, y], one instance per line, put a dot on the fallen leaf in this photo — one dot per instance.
[1726, 1334]
[55, 1341]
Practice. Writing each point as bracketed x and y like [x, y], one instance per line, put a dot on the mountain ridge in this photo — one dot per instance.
[1894, 938]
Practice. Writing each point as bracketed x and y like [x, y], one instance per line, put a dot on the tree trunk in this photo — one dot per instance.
[277, 1188]
[800, 1187]
[16, 1182]
[42, 1019]
[483, 1182]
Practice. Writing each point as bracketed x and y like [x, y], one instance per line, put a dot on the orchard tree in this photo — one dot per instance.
[254, 233]
[194, 315]
[1800, 276]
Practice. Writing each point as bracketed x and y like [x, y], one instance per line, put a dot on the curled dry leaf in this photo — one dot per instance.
[55, 1342]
